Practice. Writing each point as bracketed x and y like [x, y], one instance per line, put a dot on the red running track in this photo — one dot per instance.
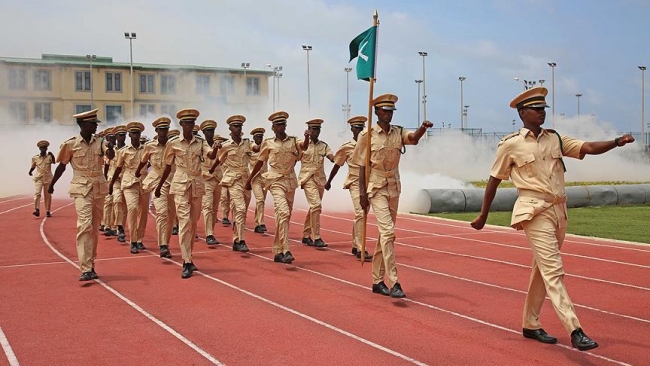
[465, 296]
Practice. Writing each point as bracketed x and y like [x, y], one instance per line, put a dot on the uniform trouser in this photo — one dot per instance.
[257, 186]
[547, 277]
[210, 204]
[283, 205]
[42, 185]
[137, 205]
[165, 214]
[89, 215]
[357, 227]
[109, 214]
[385, 208]
[224, 201]
[188, 210]
[119, 205]
[314, 195]
[239, 198]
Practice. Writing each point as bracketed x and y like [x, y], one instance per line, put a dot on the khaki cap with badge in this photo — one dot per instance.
[386, 102]
[358, 121]
[279, 117]
[531, 98]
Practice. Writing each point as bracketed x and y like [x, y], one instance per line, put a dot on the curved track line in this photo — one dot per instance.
[9, 352]
[15, 208]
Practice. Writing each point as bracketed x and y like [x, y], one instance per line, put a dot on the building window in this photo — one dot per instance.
[80, 108]
[42, 80]
[147, 84]
[113, 81]
[113, 113]
[147, 109]
[43, 112]
[227, 85]
[82, 80]
[168, 84]
[18, 111]
[252, 86]
[203, 84]
[168, 109]
[17, 80]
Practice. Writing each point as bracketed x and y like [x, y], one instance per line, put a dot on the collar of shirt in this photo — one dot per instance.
[378, 128]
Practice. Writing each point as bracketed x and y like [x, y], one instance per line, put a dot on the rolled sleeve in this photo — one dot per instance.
[65, 154]
[359, 154]
[502, 163]
[571, 147]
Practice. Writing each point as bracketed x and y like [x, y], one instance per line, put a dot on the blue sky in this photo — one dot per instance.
[596, 44]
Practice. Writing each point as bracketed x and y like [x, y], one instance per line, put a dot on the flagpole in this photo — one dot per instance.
[375, 22]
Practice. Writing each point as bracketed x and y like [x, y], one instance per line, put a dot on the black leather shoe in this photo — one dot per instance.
[121, 237]
[140, 246]
[48, 214]
[187, 272]
[319, 243]
[225, 222]
[240, 247]
[101, 228]
[134, 248]
[263, 228]
[37, 212]
[86, 276]
[175, 230]
[109, 232]
[278, 258]
[288, 258]
[380, 288]
[581, 341]
[193, 267]
[355, 251]
[308, 241]
[539, 335]
[396, 291]
[164, 252]
[211, 240]
[366, 256]
[258, 229]
[93, 274]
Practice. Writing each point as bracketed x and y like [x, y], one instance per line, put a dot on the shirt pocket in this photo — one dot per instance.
[526, 165]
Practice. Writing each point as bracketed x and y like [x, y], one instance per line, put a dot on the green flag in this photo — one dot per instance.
[363, 47]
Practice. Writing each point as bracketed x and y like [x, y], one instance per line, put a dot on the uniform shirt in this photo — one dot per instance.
[153, 154]
[534, 165]
[344, 155]
[235, 160]
[43, 166]
[187, 157]
[311, 162]
[385, 153]
[207, 165]
[129, 159]
[112, 166]
[255, 156]
[281, 156]
[87, 161]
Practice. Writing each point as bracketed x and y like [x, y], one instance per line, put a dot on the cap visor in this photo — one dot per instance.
[389, 108]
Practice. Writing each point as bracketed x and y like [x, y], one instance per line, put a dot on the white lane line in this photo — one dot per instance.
[15, 208]
[9, 352]
[15, 199]
[135, 306]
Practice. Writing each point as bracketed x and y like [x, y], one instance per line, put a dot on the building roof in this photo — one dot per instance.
[100, 61]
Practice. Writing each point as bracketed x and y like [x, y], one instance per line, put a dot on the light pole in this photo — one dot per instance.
[348, 107]
[523, 82]
[578, 95]
[418, 82]
[273, 76]
[643, 68]
[465, 115]
[424, 85]
[461, 79]
[552, 65]
[278, 75]
[131, 37]
[308, 48]
[92, 100]
[513, 125]
[245, 66]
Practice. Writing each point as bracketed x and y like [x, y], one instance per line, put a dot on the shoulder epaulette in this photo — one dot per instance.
[198, 137]
[152, 142]
[71, 138]
[123, 147]
[550, 130]
[507, 137]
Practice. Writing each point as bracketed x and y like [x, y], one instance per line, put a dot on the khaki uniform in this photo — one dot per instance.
[42, 178]
[234, 158]
[224, 200]
[137, 200]
[344, 155]
[312, 180]
[212, 197]
[165, 208]
[187, 186]
[258, 188]
[109, 214]
[119, 203]
[88, 189]
[383, 190]
[281, 181]
[535, 167]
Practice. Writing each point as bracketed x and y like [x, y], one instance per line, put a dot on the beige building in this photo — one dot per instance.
[55, 87]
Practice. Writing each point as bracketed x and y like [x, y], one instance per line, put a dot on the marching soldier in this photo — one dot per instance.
[88, 187]
[119, 203]
[257, 182]
[173, 133]
[384, 187]
[165, 210]
[282, 152]
[210, 200]
[312, 180]
[344, 155]
[234, 157]
[109, 214]
[137, 201]
[186, 153]
[43, 165]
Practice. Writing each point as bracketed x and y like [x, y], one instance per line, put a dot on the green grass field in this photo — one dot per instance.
[631, 223]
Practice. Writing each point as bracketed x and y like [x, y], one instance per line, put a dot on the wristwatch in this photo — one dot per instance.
[616, 141]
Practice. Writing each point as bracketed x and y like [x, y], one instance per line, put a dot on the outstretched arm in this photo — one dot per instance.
[600, 147]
